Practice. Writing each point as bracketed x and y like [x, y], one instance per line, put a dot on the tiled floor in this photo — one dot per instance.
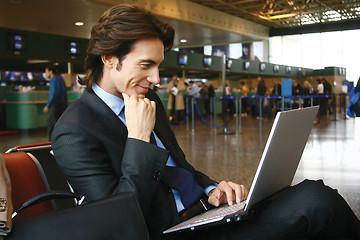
[332, 152]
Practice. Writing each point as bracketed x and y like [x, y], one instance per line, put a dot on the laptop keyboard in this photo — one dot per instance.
[221, 212]
[213, 215]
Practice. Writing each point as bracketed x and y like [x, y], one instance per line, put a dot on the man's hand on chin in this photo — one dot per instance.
[140, 116]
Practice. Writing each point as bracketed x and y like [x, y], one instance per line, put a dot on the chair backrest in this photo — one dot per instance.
[55, 178]
[30, 147]
[27, 180]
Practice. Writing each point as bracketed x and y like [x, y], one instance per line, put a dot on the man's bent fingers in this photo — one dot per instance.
[228, 190]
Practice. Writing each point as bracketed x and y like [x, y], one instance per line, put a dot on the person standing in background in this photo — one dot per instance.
[297, 89]
[244, 90]
[327, 99]
[57, 102]
[320, 92]
[176, 103]
[261, 91]
[211, 91]
[307, 91]
[353, 108]
[320, 86]
[211, 94]
[229, 100]
[277, 88]
[204, 95]
[193, 90]
[276, 92]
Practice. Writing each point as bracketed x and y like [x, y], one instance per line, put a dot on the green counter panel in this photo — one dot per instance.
[72, 96]
[25, 116]
[24, 110]
[26, 96]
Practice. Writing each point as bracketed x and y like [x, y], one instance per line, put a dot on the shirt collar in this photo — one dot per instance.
[115, 103]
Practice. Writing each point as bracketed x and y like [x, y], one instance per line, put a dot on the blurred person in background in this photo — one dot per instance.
[244, 90]
[307, 91]
[57, 102]
[176, 103]
[353, 109]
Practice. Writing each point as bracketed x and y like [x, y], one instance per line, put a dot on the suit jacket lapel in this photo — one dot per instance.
[110, 123]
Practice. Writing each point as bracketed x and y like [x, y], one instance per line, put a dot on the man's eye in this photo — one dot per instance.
[145, 65]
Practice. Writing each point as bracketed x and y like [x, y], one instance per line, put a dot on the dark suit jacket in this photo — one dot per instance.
[91, 146]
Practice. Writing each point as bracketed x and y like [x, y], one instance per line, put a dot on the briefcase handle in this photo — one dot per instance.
[48, 196]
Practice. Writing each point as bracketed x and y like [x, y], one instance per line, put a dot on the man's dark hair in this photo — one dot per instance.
[115, 33]
[53, 68]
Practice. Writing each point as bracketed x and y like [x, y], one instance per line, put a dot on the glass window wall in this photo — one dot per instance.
[318, 50]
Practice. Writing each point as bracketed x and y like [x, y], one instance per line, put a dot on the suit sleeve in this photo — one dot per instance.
[88, 164]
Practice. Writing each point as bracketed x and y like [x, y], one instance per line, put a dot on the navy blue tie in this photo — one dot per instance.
[181, 180]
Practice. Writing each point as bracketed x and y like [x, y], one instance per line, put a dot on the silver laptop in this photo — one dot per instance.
[276, 170]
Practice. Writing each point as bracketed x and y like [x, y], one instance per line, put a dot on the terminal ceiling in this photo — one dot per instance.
[286, 13]
[58, 17]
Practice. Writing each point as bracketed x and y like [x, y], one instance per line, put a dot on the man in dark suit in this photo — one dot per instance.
[116, 138]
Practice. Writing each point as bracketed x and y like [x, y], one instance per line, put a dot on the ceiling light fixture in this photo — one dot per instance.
[283, 16]
[35, 61]
[183, 40]
[277, 16]
[79, 23]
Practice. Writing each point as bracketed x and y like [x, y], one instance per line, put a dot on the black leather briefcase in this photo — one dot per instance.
[116, 217]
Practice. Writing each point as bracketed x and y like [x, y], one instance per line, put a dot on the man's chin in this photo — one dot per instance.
[139, 95]
[142, 93]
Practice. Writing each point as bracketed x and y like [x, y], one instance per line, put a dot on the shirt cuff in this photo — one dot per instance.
[209, 188]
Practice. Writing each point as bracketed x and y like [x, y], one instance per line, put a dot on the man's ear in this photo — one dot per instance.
[108, 60]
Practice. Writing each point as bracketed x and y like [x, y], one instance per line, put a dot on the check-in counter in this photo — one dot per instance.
[164, 96]
[24, 110]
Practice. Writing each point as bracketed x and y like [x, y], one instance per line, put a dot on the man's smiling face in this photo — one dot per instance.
[138, 70]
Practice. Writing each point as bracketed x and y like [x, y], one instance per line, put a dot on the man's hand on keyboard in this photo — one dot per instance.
[227, 192]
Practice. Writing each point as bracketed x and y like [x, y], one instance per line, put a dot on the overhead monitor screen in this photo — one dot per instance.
[182, 59]
[207, 61]
[72, 47]
[16, 42]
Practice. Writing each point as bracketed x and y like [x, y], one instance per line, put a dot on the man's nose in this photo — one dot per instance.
[154, 77]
